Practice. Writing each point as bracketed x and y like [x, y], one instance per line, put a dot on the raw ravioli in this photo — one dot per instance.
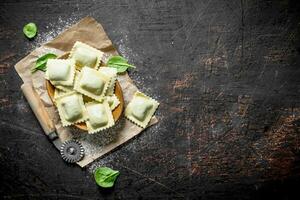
[71, 108]
[92, 83]
[60, 72]
[99, 116]
[85, 55]
[141, 109]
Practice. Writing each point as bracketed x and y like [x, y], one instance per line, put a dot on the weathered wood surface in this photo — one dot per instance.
[226, 74]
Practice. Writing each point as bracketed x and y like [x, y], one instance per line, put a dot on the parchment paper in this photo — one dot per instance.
[96, 145]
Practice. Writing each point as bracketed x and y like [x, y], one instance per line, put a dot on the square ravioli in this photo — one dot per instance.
[99, 116]
[112, 74]
[92, 83]
[141, 109]
[71, 108]
[65, 88]
[85, 55]
[60, 71]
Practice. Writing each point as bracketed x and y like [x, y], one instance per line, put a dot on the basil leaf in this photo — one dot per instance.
[30, 30]
[120, 68]
[116, 59]
[120, 63]
[105, 177]
[41, 62]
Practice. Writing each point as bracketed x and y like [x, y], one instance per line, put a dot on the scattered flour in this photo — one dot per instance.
[52, 30]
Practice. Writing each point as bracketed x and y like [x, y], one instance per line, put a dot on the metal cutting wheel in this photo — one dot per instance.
[72, 151]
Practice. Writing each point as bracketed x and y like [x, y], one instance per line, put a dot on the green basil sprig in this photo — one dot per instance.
[120, 63]
[105, 177]
[41, 62]
[30, 30]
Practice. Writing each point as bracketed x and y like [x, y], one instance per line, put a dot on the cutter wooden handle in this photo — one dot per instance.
[38, 108]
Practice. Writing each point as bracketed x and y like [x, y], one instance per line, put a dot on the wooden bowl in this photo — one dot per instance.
[118, 92]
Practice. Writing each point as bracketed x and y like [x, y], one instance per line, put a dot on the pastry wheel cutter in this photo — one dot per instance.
[71, 150]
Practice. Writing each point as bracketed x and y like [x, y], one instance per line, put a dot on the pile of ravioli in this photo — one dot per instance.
[84, 91]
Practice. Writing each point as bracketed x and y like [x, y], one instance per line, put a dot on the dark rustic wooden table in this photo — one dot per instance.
[227, 75]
